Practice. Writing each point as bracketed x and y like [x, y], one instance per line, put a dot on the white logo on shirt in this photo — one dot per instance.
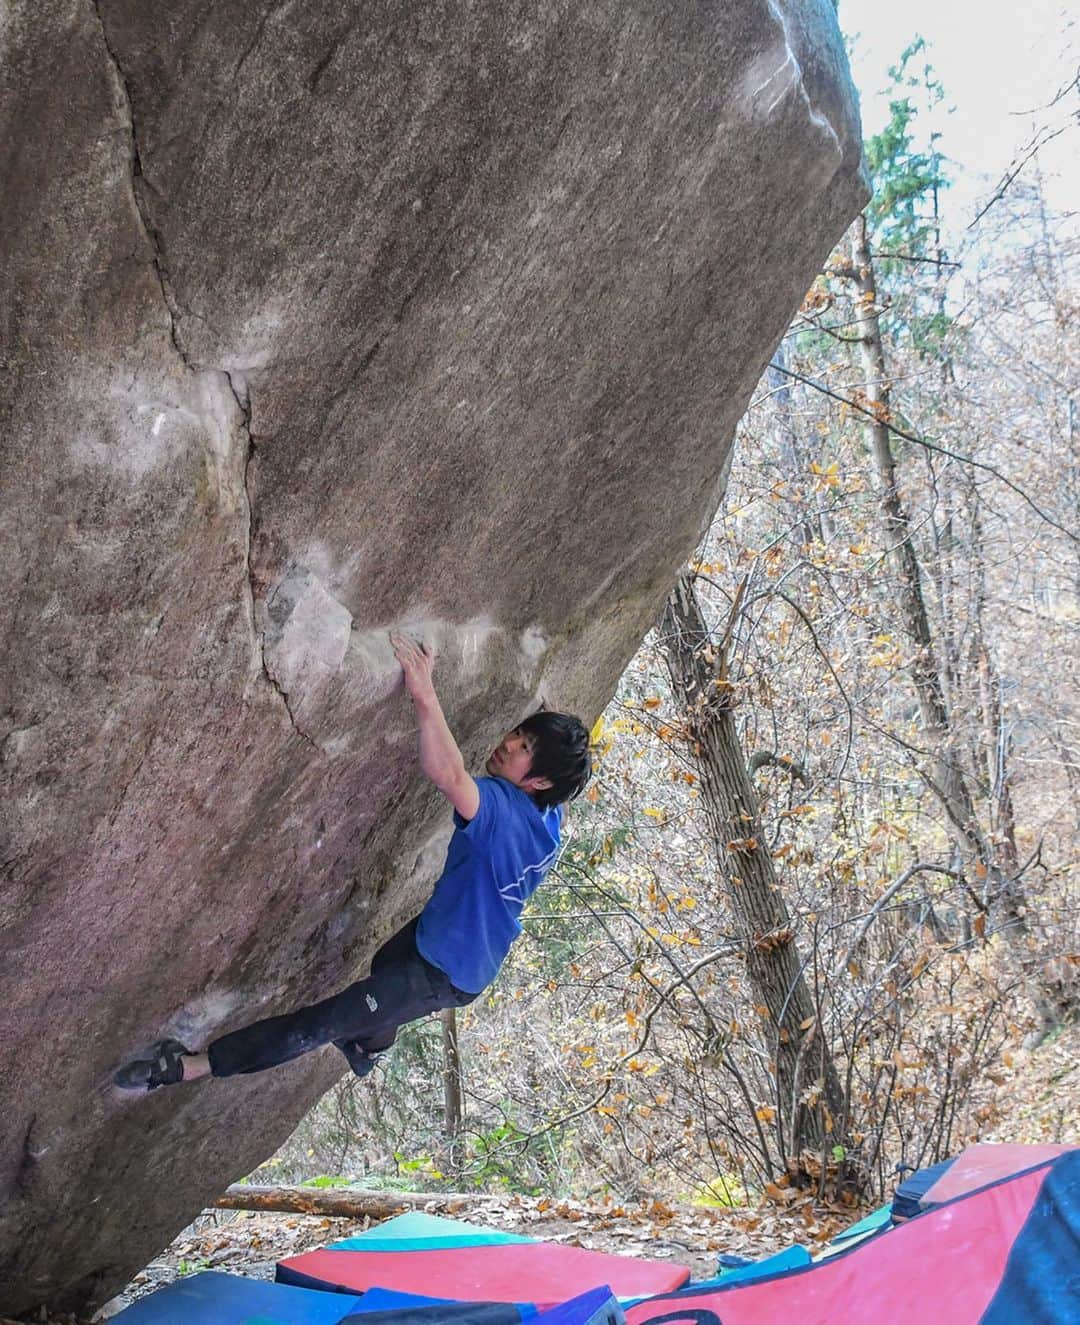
[525, 885]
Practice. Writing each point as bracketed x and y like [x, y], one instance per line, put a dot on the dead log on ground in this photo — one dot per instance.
[337, 1202]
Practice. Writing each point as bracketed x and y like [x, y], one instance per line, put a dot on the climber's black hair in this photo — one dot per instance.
[560, 754]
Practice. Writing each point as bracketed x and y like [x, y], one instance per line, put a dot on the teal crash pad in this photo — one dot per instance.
[416, 1231]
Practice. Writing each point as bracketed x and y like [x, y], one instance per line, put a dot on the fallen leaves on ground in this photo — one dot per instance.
[1028, 1098]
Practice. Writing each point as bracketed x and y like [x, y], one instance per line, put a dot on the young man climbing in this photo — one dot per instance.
[507, 831]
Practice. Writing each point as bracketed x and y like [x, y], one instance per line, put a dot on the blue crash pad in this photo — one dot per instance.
[388, 1306]
[598, 1306]
[213, 1298]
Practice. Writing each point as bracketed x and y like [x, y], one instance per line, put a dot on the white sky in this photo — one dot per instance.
[996, 59]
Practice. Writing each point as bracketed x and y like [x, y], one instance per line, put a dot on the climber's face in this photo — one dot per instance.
[512, 758]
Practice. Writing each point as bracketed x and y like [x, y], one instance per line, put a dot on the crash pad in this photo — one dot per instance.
[956, 1262]
[984, 1163]
[541, 1272]
[597, 1307]
[791, 1258]
[871, 1223]
[976, 1166]
[213, 1298]
[430, 1311]
[417, 1231]
[388, 1305]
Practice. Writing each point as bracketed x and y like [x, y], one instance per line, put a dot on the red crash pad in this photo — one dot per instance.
[984, 1163]
[540, 1272]
[945, 1265]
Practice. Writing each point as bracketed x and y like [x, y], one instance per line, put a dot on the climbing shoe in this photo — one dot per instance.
[162, 1065]
[359, 1059]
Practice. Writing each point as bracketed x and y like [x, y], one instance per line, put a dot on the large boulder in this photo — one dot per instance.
[323, 318]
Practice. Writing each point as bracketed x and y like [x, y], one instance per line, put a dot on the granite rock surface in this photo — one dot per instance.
[320, 319]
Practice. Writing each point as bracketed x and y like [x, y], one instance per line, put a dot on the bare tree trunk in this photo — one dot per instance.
[453, 1104]
[817, 524]
[1002, 892]
[945, 775]
[995, 742]
[809, 1097]
[999, 778]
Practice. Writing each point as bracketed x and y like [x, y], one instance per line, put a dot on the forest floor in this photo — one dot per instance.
[1030, 1098]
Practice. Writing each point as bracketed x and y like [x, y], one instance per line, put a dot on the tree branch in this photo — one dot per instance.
[908, 257]
[930, 446]
[882, 902]
[792, 766]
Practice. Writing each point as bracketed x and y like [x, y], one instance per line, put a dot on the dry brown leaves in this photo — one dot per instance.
[1027, 1098]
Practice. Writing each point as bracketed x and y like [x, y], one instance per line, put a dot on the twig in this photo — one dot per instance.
[1011, 174]
[776, 593]
[335, 1202]
[930, 446]
[908, 257]
[883, 901]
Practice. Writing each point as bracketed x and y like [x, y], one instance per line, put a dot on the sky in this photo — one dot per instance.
[998, 60]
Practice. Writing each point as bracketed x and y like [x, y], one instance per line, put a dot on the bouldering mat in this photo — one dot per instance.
[213, 1298]
[541, 1272]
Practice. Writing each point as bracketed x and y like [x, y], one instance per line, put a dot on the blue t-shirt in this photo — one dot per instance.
[494, 865]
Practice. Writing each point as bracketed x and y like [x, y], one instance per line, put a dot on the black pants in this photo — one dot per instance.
[362, 1020]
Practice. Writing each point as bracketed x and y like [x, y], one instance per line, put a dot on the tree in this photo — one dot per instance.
[620, 1050]
[810, 1105]
[453, 1100]
[906, 178]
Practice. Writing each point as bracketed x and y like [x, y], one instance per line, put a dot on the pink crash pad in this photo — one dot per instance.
[944, 1266]
[540, 1272]
[984, 1163]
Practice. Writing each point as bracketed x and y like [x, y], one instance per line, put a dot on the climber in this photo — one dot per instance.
[507, 832]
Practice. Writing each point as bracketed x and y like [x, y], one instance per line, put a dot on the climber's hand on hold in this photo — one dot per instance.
[416, 662]
[440, 757]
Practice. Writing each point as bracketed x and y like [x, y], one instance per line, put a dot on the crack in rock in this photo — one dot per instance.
[28, 1157]
[242, 395]
[260, 28]
[135, 176]
[284, 694]
[305, 640]
[238, 388]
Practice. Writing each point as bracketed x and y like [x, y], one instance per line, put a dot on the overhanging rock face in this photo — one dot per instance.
[321, 319]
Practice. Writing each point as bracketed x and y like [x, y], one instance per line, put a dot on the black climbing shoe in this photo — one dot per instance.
[359, 1059]
[162, 1066]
